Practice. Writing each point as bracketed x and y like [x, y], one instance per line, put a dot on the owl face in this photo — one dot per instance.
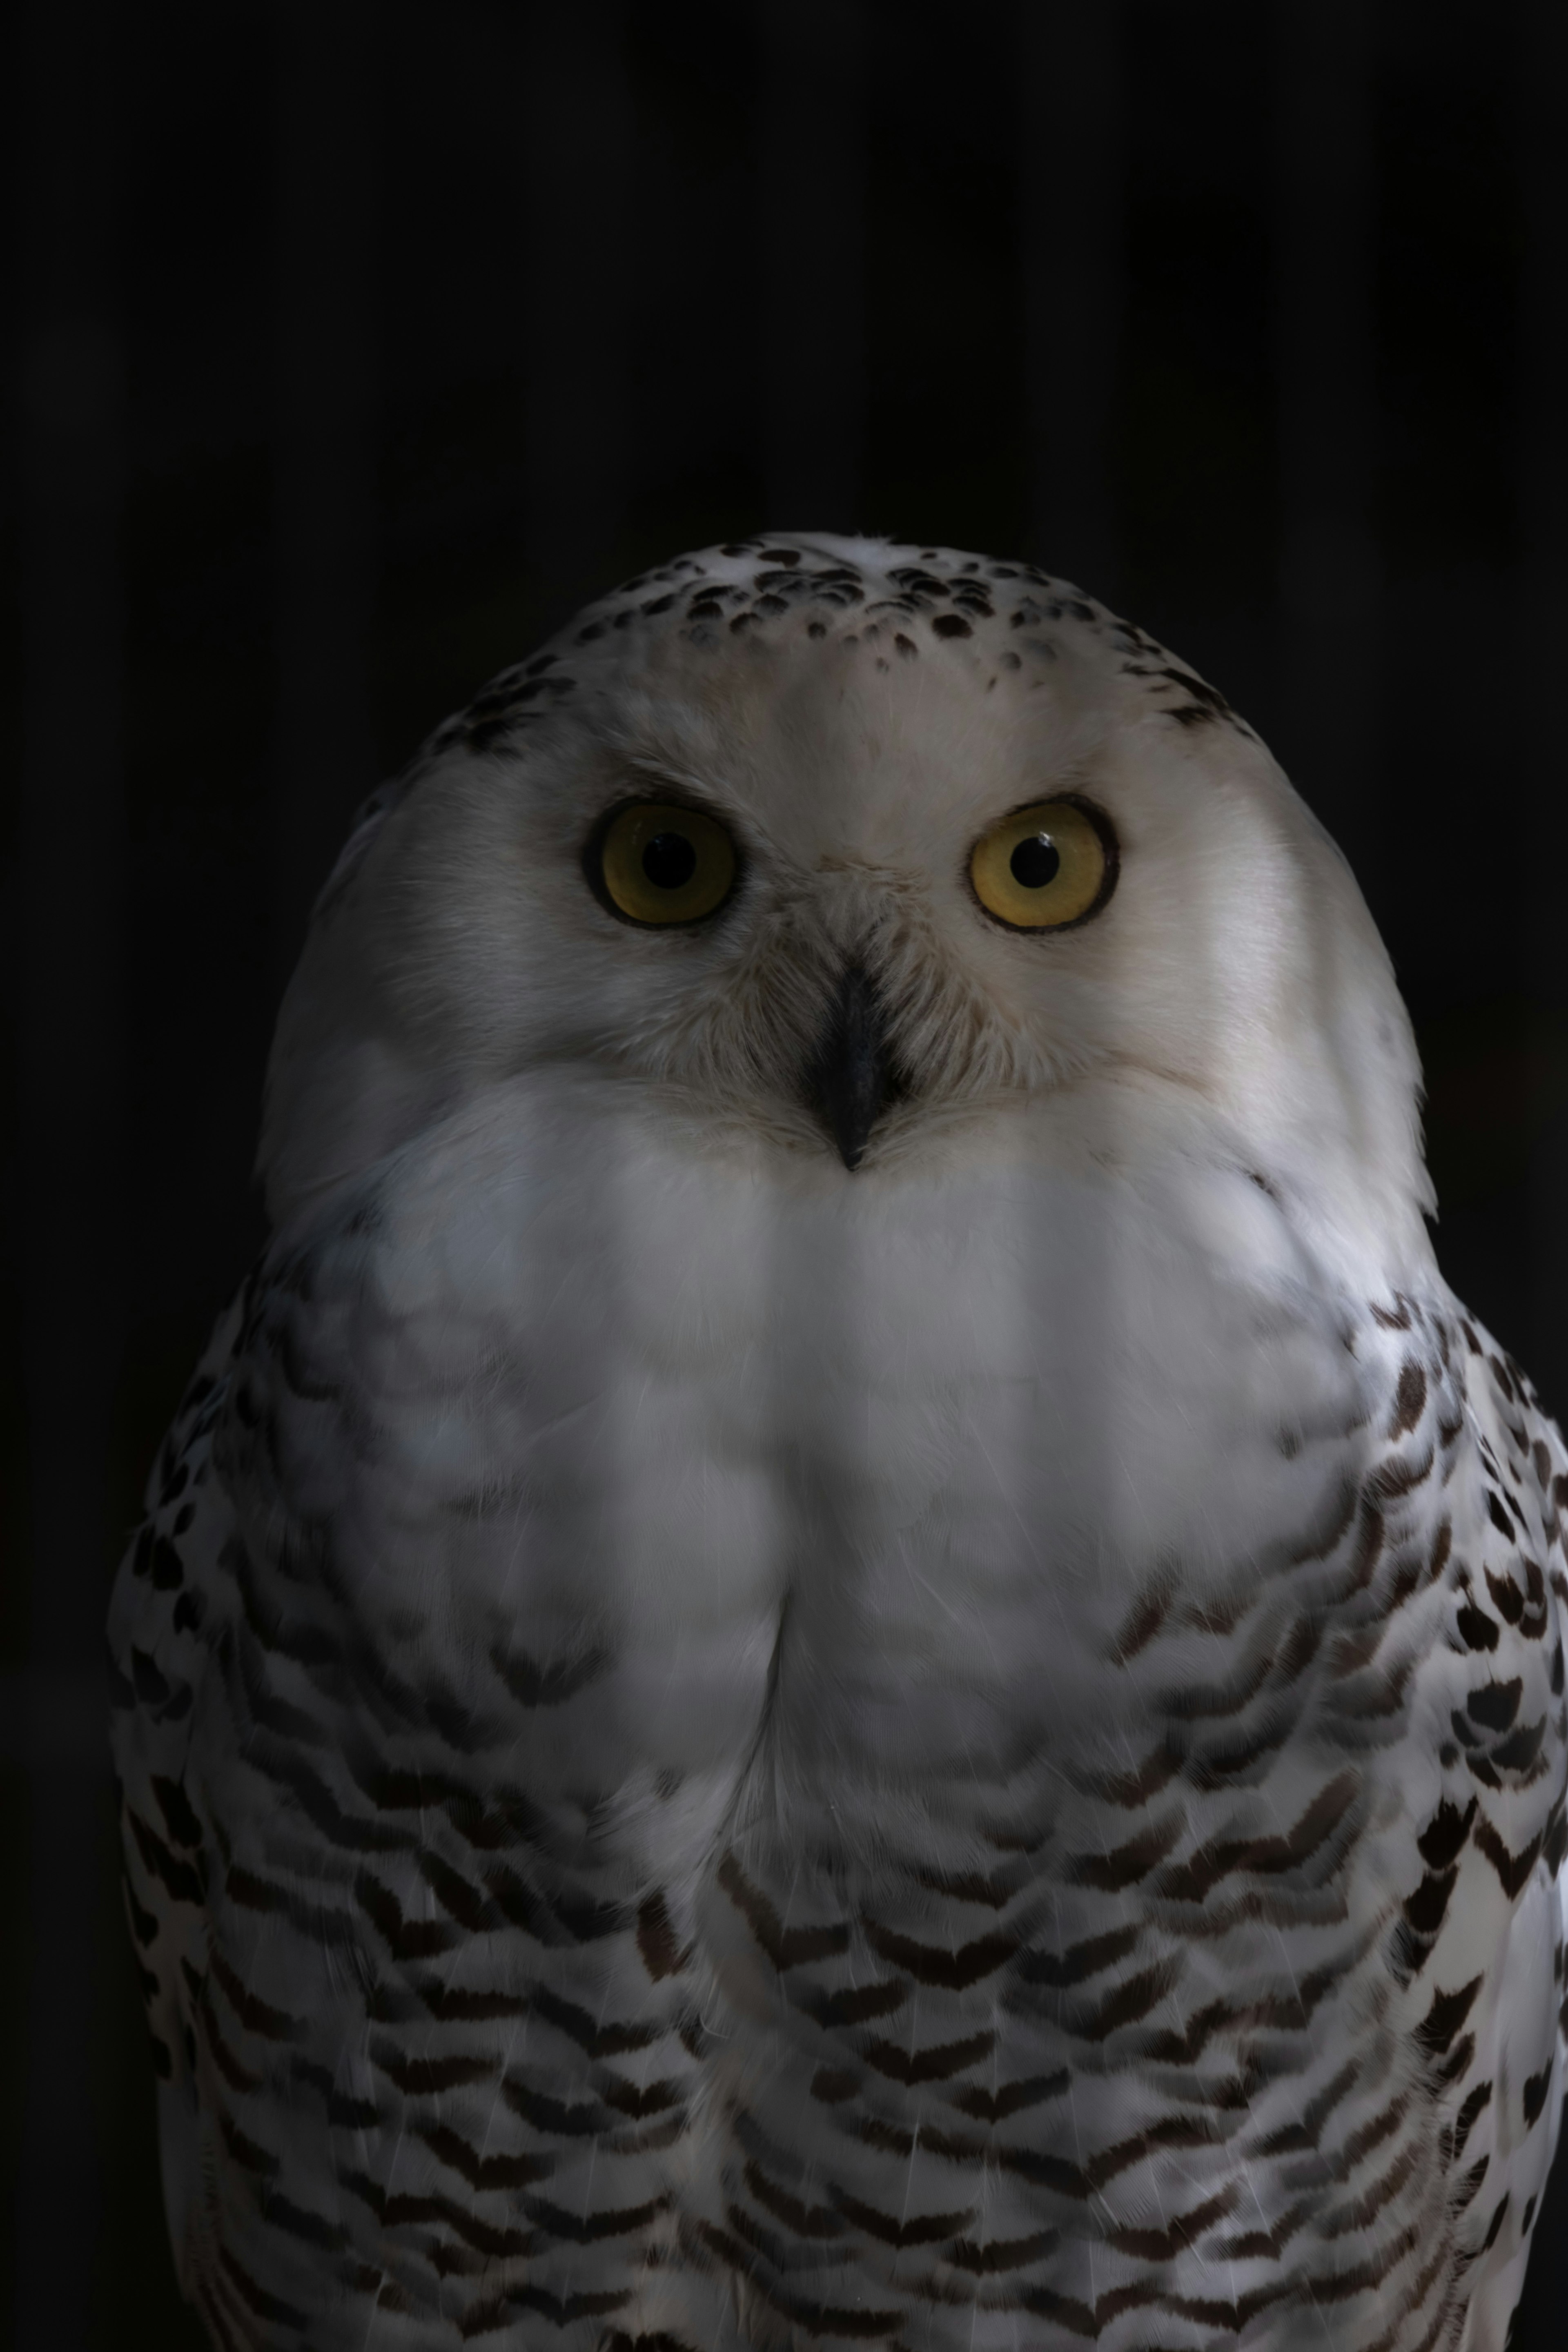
[842, 851]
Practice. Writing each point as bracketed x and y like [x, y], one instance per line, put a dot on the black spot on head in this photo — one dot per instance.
[595, 629]
[950, 625]
[659, 603]
[817, 628]
[907, 647]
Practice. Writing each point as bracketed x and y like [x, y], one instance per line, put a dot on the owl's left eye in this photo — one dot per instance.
[656, 862]
[1044, 867]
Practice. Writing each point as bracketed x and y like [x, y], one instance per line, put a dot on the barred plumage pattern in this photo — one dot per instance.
[1026, 2060]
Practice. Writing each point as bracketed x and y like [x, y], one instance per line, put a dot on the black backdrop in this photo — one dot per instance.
[352, 343]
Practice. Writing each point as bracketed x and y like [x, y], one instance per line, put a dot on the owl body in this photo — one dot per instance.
[722, 1750]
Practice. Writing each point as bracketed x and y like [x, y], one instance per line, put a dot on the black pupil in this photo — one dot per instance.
[1035, 862]
[669, 861]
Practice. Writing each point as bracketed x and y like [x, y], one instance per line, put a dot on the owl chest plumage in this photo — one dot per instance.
[726, 1770]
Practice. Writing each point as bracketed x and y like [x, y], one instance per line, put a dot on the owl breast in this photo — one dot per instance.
[907, 1454]
[796, 1762]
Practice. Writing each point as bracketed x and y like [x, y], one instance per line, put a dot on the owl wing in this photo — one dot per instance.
[1270, 2019]
[423, 2022]
[1484, 1910]
[160, 1617]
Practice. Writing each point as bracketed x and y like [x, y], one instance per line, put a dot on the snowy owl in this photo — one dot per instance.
[845, 1646]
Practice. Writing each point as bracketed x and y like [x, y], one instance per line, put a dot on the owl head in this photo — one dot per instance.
[851, 855]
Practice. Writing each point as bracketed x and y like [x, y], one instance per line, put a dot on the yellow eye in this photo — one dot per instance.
[660, 863]
[1044, 867]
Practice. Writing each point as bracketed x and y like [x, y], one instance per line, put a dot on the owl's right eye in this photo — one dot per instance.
[656, 862]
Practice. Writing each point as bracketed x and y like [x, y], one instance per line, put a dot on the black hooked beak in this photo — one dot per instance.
[849, 1079]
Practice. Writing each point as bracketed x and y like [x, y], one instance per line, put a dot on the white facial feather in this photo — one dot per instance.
[856, 754]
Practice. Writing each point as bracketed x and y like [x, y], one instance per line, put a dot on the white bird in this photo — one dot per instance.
[846, 1645]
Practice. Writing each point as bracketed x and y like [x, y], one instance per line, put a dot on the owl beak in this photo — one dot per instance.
[849, 1080]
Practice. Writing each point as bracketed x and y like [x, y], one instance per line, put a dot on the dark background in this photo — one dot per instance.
[351, 344]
